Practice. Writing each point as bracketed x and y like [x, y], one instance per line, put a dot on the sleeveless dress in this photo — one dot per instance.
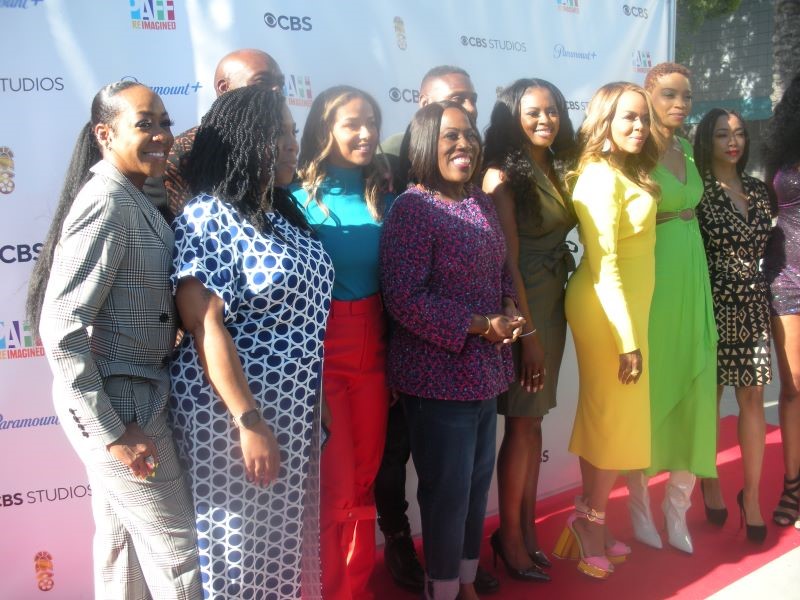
[782, 261]
[277, 296]
[545, 260]
[608, 307]
[735, 245]
[683, 334]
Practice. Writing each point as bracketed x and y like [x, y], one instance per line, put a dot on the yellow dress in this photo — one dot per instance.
[608, 306]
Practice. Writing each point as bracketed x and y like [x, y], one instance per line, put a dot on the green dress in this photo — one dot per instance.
[545, 259]
[682, 334]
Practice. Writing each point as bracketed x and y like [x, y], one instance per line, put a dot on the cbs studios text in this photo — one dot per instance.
[493, 44]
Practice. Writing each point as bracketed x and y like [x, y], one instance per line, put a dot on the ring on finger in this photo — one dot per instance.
[635, 372]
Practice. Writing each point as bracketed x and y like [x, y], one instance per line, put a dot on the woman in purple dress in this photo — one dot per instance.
[782, 268]
[446, 285]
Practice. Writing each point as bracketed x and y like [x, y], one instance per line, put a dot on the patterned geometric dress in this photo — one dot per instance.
[735, 246]
[277, 296]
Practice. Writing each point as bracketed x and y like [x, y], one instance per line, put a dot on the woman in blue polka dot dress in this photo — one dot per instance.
[253, 291]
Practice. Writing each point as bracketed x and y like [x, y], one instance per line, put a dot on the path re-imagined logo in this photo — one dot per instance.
[297, 90]
[18, 341]
[152, 14]
[570, 6]
[641, 61]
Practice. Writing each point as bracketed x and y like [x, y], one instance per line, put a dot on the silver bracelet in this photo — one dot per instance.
[531, 332]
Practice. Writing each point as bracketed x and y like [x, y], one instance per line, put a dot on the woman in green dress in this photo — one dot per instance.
[683, 335]
[529, 137]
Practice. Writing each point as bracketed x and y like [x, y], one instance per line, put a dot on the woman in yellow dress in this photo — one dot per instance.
[608, 305]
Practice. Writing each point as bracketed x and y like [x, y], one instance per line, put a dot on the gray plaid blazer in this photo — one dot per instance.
[108, 321]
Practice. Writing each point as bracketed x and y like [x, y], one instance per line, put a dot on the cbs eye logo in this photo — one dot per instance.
[404, 95]
[287, 23]
[634, 11]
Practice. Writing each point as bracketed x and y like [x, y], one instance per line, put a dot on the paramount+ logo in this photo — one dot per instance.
[180, 89]
[492, 44]
[404, 95]
[634, 11]
[287, 22]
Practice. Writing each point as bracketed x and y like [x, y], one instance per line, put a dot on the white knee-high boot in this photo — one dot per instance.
[677, 501]
[644, 529]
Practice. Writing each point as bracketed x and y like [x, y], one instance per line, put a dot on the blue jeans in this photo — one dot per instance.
[453, 447]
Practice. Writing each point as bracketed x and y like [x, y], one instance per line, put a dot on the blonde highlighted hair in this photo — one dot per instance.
[594, 137]
[317, 145]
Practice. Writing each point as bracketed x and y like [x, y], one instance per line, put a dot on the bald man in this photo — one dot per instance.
[441, 83]
[238, 69]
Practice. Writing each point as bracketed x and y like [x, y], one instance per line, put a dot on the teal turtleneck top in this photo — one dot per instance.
[348, 233]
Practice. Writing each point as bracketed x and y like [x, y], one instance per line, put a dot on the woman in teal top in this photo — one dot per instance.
[343, 193]
[683, 334]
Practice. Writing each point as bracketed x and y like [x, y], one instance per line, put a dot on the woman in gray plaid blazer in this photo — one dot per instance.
[106, 266]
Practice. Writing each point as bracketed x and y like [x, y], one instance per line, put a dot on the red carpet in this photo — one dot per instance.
[721, 556]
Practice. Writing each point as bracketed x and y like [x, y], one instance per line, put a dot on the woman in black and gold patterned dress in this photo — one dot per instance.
[735, 220]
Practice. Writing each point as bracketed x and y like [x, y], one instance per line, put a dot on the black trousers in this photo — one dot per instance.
[390, 483]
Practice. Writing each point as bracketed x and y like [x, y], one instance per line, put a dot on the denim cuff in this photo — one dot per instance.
[467, 569]
[441, 589]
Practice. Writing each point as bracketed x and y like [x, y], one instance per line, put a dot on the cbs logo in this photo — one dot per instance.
[406, 95]
[634, 11]
[287, 23]
[21, 253]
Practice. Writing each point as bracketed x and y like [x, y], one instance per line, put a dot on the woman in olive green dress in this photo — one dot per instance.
[529, 136]
[683, 334]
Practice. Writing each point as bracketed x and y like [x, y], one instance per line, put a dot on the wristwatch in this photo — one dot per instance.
[249, 419]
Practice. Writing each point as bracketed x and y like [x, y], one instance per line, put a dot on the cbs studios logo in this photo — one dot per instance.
[404, 95]
[287, 22]
[493, 44]
[634, 11]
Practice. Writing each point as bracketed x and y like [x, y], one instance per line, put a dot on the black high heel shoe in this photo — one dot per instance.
[540, 559]
[715, 516]
[755, 533]
[533, 573]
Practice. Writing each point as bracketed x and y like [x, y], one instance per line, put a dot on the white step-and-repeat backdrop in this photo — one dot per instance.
[58, 53]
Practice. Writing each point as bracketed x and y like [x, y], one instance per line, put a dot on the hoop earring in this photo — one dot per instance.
[606, 146]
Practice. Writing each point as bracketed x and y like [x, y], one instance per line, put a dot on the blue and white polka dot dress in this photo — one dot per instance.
[277, 297]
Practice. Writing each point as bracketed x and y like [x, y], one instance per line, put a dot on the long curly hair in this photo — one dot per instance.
[508, 147]
[704, 141]
[317, 144]
[234, 153]
[595, 133]
[782, 135]
[105, 109]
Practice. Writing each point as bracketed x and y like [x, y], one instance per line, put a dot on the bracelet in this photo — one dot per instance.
[531, 332]
[488, 325]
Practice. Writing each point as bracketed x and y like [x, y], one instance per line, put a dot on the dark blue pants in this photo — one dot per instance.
[453, 447]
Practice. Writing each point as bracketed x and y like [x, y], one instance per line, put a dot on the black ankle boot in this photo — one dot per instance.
[401, 560]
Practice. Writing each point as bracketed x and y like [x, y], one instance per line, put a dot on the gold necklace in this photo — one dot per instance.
[727, 188]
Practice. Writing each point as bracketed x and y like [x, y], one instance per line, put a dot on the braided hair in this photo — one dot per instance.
[234, 152]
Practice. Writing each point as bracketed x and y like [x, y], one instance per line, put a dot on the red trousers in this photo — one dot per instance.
[354, 381]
